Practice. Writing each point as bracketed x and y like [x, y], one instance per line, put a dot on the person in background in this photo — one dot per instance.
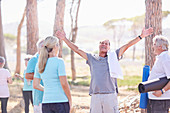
[102, 89]
[5, 78]
[159, 101]
[27, 89]
[37, 95]
[51, 69]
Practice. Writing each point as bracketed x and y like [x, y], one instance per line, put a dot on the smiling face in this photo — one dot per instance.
[104, 46]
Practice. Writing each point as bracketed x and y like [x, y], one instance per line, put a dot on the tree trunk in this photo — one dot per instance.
[134, 49]
[59, 21]
[153, 18]
[2, 43]
[73, 35]
[32, 26]
[18, 64]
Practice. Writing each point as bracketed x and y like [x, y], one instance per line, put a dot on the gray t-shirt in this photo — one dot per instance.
[100, 77]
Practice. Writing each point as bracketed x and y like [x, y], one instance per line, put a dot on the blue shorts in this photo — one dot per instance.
[56, 107]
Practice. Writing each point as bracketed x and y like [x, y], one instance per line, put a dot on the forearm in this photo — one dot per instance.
[71, 45]
[167, 87]
[21, 78]
[67, 91]
[29, 76]
[129, 44]
[39, 87]
[75, 48]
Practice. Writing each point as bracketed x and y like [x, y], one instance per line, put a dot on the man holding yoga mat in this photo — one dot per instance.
[159, 100]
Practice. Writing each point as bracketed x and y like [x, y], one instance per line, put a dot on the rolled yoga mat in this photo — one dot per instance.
[152, 85]
[144, 96]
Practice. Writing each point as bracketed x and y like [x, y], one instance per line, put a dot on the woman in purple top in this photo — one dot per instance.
[5, 78]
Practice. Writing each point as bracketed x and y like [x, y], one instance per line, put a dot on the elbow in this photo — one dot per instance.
[35, 86]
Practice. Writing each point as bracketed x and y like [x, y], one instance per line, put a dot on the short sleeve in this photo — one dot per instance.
[166, 66]
[117, 53]
[31, 65]
[36, 73]
[8, 73]
[61, 68]
[89, 56]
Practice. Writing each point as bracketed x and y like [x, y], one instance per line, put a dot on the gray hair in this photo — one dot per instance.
[2, 59]
[161, 41]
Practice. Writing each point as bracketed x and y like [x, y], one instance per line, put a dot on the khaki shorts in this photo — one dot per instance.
[104, 103]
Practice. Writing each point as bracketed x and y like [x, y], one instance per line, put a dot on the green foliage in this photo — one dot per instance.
[127, 81]
[10, 36]
[165, 13]
[138, 21]
[82, 81]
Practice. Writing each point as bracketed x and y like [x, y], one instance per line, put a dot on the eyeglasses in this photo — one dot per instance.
[104, 43]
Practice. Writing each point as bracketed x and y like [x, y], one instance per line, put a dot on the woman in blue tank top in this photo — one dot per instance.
[51, 69]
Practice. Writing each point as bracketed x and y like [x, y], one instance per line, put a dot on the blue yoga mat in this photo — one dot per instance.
[144, 96]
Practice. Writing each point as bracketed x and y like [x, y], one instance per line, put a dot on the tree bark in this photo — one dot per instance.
[73, 34]
[153, 18]
[2, 43]
[32, 26]
[59, 21]
[18, 64]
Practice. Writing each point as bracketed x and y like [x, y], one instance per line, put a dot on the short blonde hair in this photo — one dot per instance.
[161, 41]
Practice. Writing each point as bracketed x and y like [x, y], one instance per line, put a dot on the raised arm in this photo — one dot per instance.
[145, 33]
[61, 35]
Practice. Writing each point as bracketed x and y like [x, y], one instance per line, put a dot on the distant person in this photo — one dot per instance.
[102, 90]
[37, 95]
[5, 78]
[159, 101]
[27, 89]
[51, 69]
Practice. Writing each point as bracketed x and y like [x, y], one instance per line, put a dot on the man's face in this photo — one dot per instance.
[156, 48]
[104, 46]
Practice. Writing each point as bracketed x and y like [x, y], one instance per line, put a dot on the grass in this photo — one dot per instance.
[130, 81]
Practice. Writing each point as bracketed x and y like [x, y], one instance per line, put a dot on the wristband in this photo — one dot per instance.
[140, 37]
[162, 91]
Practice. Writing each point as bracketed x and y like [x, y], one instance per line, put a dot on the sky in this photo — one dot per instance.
[92, 12]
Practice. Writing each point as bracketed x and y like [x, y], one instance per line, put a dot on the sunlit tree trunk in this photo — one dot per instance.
[153, 18]
[32, 26]
[18, 64]
[59, 21]
[2, 43]
[74, 28]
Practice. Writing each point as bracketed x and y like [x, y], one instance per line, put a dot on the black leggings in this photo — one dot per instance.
[56, 107]
[4, 104]
[27, 96]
